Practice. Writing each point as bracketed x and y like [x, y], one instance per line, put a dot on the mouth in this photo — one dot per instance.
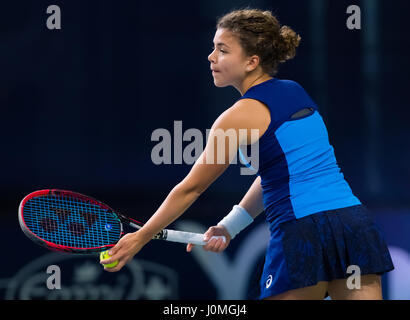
[214, 70]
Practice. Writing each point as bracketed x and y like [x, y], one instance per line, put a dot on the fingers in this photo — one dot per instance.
[189, 247]
[215, 245]
[114, 257]
[113, 253]
[114, 250]
[118, 252]
[118, 267]
[212, 231]
[122, 260]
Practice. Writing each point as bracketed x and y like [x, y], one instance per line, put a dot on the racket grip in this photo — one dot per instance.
[188, 237]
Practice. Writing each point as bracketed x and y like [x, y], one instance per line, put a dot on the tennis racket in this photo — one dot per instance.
[67, 221]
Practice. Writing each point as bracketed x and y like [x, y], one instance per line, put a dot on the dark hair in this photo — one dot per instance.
[260, 33]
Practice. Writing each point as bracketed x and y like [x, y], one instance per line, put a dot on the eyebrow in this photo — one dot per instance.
[222, 44]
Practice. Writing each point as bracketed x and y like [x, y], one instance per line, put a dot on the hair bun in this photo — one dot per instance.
[289, 42]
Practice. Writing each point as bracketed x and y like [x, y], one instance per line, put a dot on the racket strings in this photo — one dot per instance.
[70, 222]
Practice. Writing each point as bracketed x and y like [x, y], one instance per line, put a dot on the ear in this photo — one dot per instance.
[253, 63]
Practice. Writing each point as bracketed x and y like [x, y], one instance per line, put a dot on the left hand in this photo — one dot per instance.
[214, 245]
[128, 246]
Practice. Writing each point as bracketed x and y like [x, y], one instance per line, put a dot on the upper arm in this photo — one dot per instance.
[239, 125]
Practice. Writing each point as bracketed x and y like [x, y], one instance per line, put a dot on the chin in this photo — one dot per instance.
[220, 84]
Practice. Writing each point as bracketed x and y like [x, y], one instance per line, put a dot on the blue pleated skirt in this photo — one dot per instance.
[321, 247]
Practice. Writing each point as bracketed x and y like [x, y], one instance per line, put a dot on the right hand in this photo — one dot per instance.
[214, 245]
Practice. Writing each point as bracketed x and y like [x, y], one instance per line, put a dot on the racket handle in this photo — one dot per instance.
[188, 237]
[181, 236]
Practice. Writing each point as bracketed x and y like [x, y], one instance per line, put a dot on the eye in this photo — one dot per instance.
[220, 50]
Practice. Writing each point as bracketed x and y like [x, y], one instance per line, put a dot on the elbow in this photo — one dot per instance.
[192, 190]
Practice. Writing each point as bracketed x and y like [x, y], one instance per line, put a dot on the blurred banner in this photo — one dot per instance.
[165, 271]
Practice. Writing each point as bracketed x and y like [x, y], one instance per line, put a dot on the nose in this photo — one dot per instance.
[211, 57]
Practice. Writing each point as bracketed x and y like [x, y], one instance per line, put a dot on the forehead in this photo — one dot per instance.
[226, 37]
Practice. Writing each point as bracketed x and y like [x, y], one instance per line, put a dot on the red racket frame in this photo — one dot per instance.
[61, 248]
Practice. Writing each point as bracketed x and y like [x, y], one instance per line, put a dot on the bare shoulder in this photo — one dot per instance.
[245, 113]
[249, 107]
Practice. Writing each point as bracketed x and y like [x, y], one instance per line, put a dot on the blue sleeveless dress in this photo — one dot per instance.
[318, 226]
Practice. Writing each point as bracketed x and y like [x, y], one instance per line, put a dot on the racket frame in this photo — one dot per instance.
[165, 234]
[57, 247]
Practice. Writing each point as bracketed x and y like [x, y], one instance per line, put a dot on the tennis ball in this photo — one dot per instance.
[104, 255]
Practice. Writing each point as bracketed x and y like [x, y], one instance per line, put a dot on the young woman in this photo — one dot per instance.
[318, 227]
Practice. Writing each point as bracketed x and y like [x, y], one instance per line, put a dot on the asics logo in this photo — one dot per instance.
[269, 281]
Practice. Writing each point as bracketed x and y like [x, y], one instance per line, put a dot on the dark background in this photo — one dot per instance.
[79, 105]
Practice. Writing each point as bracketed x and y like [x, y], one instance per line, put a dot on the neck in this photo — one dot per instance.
[252, 81]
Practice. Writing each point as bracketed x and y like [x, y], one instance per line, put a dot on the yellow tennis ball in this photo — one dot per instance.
[104, 255]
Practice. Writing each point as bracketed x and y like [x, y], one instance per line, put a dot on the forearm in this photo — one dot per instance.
[249, 208]
[176, 203]
[252, 202]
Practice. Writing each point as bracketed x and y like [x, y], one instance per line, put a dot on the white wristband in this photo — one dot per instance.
[237, 220]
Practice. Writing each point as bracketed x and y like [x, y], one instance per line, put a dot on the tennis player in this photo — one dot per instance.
[318, 226]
